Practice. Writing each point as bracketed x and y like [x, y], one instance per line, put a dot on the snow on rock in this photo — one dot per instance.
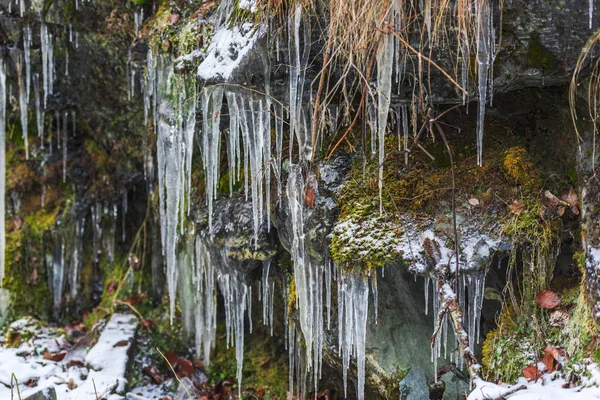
[550, 387]
[106, 362]
[249, 5]
[228, 48]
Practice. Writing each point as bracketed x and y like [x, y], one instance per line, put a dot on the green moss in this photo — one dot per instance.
[265, 365]
[520, 169]
[539, 56]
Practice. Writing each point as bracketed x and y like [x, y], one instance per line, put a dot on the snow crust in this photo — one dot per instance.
[104, 364]
[227, 50]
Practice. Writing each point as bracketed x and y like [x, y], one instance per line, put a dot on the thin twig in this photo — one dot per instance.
[174, 373]
[455, 227]
[429, 60]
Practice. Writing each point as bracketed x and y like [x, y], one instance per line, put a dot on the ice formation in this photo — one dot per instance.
[3, 292]
[353, 306]
[485, 54]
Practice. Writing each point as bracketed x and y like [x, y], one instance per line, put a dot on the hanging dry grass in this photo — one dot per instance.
[592, 82]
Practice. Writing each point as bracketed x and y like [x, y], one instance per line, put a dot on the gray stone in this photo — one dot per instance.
[456, 387]
[414, 386]
[44, 394]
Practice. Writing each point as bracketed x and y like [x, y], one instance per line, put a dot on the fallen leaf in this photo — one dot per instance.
[172, 357]
[76, 363]
[473, 201]
[55, 357]
[517, 207]
[173, 18]
[548, 299]
[110, 288]
[148, 324]
[121, 343]
[550, 363]
[309, 198]
[185, 368]
[569, 196]
[556, 353]
[532, 373]
[154, 373]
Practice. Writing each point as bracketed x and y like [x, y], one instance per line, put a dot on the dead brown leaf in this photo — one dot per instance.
[517, 207]
[55, 357]
[532, 373]
[548, 299]
[309, 198]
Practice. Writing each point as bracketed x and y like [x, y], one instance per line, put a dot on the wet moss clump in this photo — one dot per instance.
[538, 56]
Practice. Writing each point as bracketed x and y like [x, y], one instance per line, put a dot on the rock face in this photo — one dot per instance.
[78, 214]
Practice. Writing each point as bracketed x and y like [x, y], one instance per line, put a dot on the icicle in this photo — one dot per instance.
[76, 256]
[64, 146]
[58, 271]
[308, 278]
[212, 100]
[67, 62]
[375, 293]
[23, 103]
[427, 282]
[123, 215]
[485, 42]
[27, 51]
[385, 63]
[353, 298]
[39, 112]
[3, 293]
[591, 12]
[47, 61]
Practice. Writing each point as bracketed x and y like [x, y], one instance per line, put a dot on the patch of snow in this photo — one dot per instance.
[249, 5]
[229, 46]
[549, 387]
[107, 362]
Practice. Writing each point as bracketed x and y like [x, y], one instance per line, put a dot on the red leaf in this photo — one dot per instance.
[121, 343]
[110, 288]
[185, 368]
[532, 373]
[309, 198]
[54, 357]
[550, 363]
[154, 373]
[148, 324]
[548, 299]
[556, 353]
[172, 357]
[173, 18]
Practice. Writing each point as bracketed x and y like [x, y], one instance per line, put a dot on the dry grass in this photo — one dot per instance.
[593, 88]
[439, 37]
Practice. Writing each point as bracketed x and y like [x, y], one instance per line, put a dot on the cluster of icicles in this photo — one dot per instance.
[175, 105]
[42, 88]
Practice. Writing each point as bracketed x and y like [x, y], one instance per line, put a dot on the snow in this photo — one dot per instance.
[227, 50]
[248, 5]
[105, 363]
[549, 387]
